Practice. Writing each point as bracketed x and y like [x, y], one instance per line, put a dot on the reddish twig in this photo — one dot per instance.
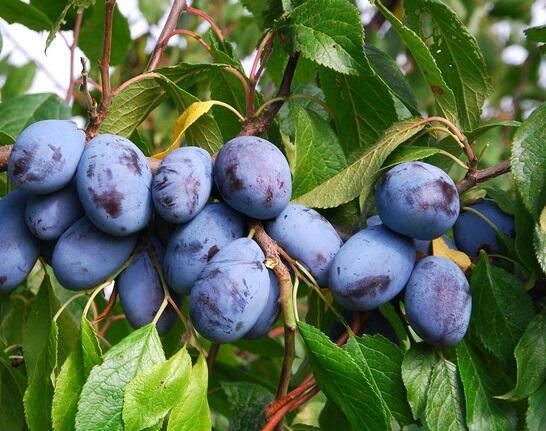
[278, 417]
[255, 72]
[207, 18]
[109, 306]
[73, 46]
[108, 322]
[275, 332]
[211, 356]
[192, 34]
[479, 176]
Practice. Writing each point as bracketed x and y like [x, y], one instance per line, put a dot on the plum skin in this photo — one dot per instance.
[270, 312]
[371, 268]
[438, 302]
[472, 233]
[417, 200]
[253, 177]
[308, 237]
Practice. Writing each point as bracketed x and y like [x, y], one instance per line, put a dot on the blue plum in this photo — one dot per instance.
[182, 185]
[45, 156]
[423, 246]
[84, 256]
[253, 176]
[192, 245]
[48, 216]
[269, 314]
[141, 294]
[374, 220]
[231, 292]
[114, 182]
[371, 268]
[18, 248]
[438, 301]
[308, 237]
[472, 233]
[418, 200]
[163, 229]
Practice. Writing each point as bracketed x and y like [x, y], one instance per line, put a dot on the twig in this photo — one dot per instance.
[280, 414]
[472, 159]
[207, 18]
[73, 46]
[211, 356]
[474, 177]
[192, 34]
[108, 322]
[109, 306]
[255, 72]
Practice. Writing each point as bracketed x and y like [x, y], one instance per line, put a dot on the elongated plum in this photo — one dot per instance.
[192, 245]
[18, 248]
[46, 155]
[85, 256]
[253, 176]
[418, 200]
[48, 216]
[438, 301]
[270, 312]
[371, 268]
[114, 182]
[472, 233]
[140, 291]
[308, 237]
[231, 292]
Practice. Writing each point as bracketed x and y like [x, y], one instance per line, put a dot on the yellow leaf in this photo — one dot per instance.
[440, 248]
[542, 220]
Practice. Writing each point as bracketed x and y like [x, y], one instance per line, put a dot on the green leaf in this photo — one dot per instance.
[265, 11]
[318, 154]
[536, 413]
[529, 161]
[478, 131]
[539, 242]
[11, 396]
[409, 153]
[417, 367]
[247, 403]
[536, 34]
[501, 309]
[359, 177]
[344, 382]
[153, 10]
[101, 402]
[16, 11]
[91, 351]
[525, 232]
[445, 402]
[166, 381]
[18, 80]
[191, 411]
[482, 410]
[327, 32]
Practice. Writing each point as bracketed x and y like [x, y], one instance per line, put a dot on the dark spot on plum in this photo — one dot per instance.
[167, 201]
[438, 195]
[109, 173]
[268, 196]
[238, 326]
[212, 252]
[235, 182]
[129, 159]
[57, 154]
[195, 246]
[109, 200]
[320, 260]
[338, 269]
[90, 173]
[3, 279]
[257, 265]
[22, 163]
[192, 189]
[368, 286]
[164, 183]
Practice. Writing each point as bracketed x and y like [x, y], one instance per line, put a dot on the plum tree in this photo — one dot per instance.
[253, 176]
[18, 248]
[194, 244]
[371, 268]
[48, 216]
[86, 256]
[182, 185]
[472, 233]
[45, 156]
[231, 292]
[438, 301]
[114, 181]
[270, 312]
[418, 200]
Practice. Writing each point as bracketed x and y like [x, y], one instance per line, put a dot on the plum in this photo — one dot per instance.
[85, 256]
[46, 155]
[371, 268]
[140, 291]
[418, 200]
[48, 216]
[231, 292]
[374, 220]
[473, 233]
[182, 185]
[269, 314]
[19, 250]
[438, 301]
[308, 237]
[114, 182]
[253, 176]
[192, 245]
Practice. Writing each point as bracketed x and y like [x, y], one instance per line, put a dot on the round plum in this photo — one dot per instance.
[182, 185]
[114, 182]
[308, 237]
[418, 200]
[472, 233]
[192, 245]
[438, 301]
[371, 268]
[269, 314]
[46, 155]
[85, 256]
[231, 292]
[253, 176]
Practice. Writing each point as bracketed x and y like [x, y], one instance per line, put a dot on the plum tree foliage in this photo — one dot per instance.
[271, 203]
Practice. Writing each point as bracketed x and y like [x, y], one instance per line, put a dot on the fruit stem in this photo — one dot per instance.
[211, 355]
[109, 307]
[67, 303]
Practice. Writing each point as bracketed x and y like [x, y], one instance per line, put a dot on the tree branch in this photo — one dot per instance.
[76, 35]
[479, 176]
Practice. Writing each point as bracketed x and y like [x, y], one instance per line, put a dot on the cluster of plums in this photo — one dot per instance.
[95, 211]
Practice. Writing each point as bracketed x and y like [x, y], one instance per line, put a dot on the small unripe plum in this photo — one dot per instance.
[308, 237]
[253, 176]
[231, 292]
[472, 233]
[438, 301]
[270, 312]
[371, 268]
[417, 200]
[182, 185]
[46, 155]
